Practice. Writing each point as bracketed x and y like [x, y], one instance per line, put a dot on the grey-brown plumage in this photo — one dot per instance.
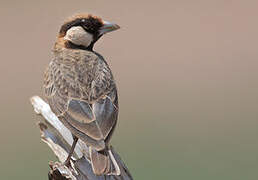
[81, 90]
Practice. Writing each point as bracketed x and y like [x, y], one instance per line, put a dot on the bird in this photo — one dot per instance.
[81, 91]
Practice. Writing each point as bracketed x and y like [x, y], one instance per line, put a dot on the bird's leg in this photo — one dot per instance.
[67, 161]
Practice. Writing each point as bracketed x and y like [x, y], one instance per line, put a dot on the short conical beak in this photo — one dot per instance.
[108, 27]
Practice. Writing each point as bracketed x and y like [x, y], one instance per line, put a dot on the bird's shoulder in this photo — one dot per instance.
[78, 74]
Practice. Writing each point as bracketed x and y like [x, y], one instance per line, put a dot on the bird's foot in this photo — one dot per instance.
[67, 163]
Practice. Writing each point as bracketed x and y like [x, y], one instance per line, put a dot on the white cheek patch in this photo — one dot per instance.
[77, 35]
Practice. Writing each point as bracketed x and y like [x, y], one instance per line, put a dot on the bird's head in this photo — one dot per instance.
[83, 30]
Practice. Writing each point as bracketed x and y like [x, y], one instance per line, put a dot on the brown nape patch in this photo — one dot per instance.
[60, 43]
[89, 22]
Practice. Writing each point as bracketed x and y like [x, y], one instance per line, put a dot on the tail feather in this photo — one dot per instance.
[103, 162]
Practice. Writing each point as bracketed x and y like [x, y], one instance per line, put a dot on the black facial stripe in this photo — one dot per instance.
[85, 27]
[89, 24]
[67, 26]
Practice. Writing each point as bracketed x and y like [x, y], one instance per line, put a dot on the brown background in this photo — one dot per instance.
[187, 78]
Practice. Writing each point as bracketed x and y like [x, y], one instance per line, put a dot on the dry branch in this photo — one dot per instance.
[59, 139]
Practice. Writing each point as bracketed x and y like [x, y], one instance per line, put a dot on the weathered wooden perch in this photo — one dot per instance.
[59, 139]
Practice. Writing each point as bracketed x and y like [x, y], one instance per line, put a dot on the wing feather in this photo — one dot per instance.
[106, 115]
[96, 122]
[81, 111]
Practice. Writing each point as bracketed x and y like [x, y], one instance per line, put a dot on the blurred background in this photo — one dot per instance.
[187, 73]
